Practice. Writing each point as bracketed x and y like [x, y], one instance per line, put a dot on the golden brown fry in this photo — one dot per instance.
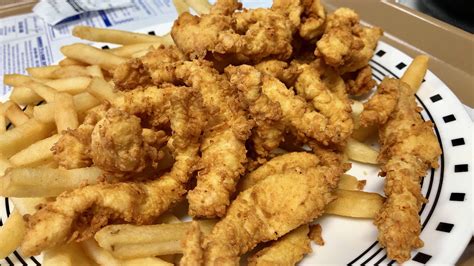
[35, 154]
[349, 182]
[45, 182]
[131, 241]
[12, 233]
[67, 255]
[18, 138]
[65, 113]
[82, 102]
[360, 152]
[13, 112]
[130, 49]
[95, 71]
[357, 204]
[24, 95]
[288, 250]
[116, 36]
[93, 56]
[200, 6]
[102, 90]
[44, 91]
[45, 72]
[415, 72]
[180, 6]
[71, 62]
[69, 72]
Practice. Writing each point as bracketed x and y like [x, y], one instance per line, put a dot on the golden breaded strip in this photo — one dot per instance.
[359, 82]
[193, 254]
[223, 146]
[269, 210]
[336, 108]
[139, 203]
[409, 149]
[381, 105]
[268, 131]
[288, 250]
[293, 162]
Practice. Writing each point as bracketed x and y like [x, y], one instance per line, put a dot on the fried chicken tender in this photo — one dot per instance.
[345, 44]
[409, 149]
[268, 131]
[78, 214]
[131, 75]
[359, 82]
[381, 105]
[73, 148]
[269, 210]
[288, 250]
[286, 73]
[335, 108]
[247, 36]
[192, 250]
[305, 122]
[119, 144]
[223, 146]
[307, 16]
[293, 162]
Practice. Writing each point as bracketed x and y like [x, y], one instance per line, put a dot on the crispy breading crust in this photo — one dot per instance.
[78, 214]
[409, 149]
[193, 253]
[381, 105]
[287, 250]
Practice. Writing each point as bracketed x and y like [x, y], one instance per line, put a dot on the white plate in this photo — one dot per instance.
[447, 217]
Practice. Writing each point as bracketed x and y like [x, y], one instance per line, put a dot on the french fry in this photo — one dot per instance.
[29, 110]
[45, 182]
[65, 113]
[45, 72]
[95, 71]
[82, 102]
[20, 137]
[71, 62]
[13, 112]
[23, 95]
[27, 205]
[357, 108]
[127, 241]
[93, 56]
[116, 36]
[102, 90]
[139, 54]
[4, 165]
[12, 233]
[65, 255]
[349, 182]
[360, 152]
[3, 122]
[35, 154]
[180, 6]
[16, 80]
[70, 72]
[129, 50]
[357, 204]
[200, 6]
[104, 257]
[415, 72]
[44, 91]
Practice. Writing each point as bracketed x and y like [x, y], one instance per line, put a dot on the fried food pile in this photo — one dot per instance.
[205, 121]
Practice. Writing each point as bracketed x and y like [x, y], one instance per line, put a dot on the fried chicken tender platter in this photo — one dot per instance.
[243, 125]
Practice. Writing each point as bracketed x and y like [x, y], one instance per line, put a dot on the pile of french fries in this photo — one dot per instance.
[53, 99]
